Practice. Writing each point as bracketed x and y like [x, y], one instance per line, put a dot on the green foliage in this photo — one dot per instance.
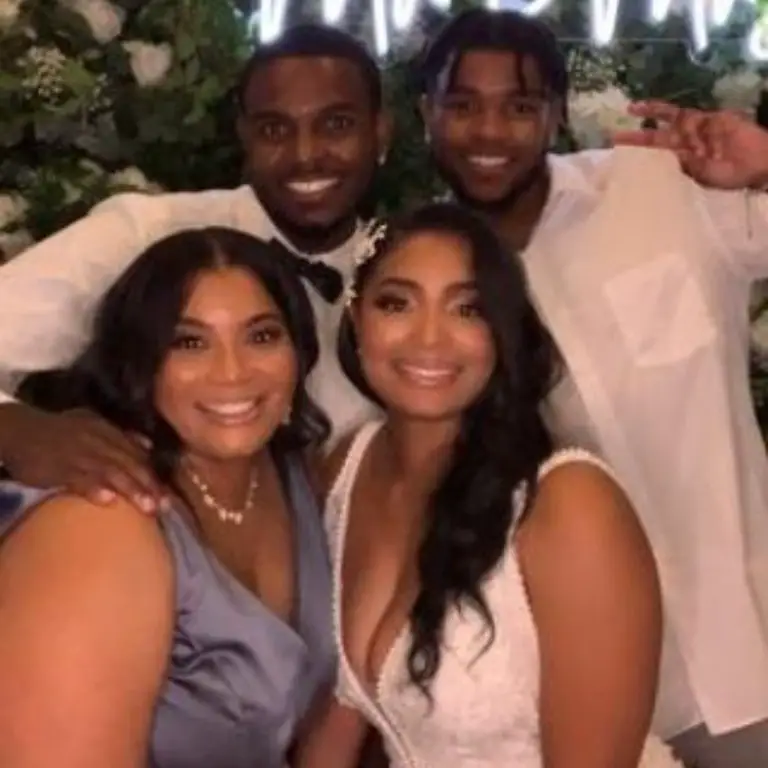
[80, 101]
[408, 177]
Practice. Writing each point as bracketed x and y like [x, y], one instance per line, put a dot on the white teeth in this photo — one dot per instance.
[427, 375]
[311, 187]
[232, 409]
[486, 161]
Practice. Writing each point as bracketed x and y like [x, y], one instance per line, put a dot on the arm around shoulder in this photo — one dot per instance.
[595, 599]
[87, 609]
[49, 292]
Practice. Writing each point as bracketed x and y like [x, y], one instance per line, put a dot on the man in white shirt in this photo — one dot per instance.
[643, 276]
[313, 131]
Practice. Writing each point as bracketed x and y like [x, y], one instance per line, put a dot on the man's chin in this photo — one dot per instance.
[496, 199]
[496, 202]
[303, 222]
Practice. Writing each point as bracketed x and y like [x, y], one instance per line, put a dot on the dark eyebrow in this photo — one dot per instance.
[340, 106]
[263, 317]
[265, 114]
[411, 285]
[271, 114]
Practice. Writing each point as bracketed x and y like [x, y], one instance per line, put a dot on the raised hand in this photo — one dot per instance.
[719, 149]
[78, 451]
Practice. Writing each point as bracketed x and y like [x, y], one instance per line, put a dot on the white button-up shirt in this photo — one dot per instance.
[643, 278]
[49, 294]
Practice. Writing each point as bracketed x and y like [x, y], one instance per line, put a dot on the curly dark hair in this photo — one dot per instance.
[502, 440]
[135, 326]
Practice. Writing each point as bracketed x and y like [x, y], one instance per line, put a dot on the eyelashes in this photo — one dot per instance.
[189, 341]
[391, 303]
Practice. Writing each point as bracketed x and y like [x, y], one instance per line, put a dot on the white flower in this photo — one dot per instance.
[90, 167]
[12, 208]
[13, 243]
[72, 193]
[593, 70]
[595, 115]
[132, 178]
[9, 12]
[739, 90]
[149, 63]
[374, 234]
[104, 19]
[44, 66]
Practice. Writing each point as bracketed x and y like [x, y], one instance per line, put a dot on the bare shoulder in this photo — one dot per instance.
[87, 609]
[579, 489]
[580, 507]
[66, 529]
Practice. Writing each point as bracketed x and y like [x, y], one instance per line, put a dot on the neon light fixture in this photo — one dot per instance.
[396, 16]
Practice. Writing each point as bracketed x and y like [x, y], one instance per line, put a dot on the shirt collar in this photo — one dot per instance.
[569, 178]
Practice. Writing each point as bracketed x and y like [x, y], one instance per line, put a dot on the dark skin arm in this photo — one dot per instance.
[47, 441]
[87, 609]
[595, 599]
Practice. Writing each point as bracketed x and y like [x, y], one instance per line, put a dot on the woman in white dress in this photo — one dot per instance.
[496, 603]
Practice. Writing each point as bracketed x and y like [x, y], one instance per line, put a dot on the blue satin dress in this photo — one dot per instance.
[240, 679]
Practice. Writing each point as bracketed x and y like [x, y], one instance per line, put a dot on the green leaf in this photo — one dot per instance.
[185, 46]
[77, 78]
[192, 71]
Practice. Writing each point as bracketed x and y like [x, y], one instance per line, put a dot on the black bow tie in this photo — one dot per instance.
[325, 279]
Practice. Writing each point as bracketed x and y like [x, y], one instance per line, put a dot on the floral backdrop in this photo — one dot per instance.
[103, 96]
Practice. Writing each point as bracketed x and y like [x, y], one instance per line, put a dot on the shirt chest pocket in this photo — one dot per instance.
[661, 311]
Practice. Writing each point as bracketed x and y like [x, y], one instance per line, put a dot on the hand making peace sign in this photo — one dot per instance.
[717, 149]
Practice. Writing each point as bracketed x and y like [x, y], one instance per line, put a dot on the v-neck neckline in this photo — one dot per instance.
[246, 598]
[370, 688]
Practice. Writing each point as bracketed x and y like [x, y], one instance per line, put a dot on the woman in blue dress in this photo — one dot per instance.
[202, 638]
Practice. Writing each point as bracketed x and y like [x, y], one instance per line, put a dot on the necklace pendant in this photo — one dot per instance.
[235, 516]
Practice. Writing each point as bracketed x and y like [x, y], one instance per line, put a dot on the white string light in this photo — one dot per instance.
[380, 31]
[403, 13]
[659, 10]
[399, 15]
[757, 42]
[333, 10]
[271, 19]
[534, 7]
[603, 16]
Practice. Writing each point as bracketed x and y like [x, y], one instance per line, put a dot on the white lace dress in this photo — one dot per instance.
[485, 709]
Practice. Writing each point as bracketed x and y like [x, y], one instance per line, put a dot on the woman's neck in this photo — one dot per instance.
[419, 451]
[228, 481]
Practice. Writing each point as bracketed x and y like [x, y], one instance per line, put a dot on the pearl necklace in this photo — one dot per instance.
[225, 514]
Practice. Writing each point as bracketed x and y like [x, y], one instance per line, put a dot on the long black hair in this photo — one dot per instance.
[135, 326]
[502, 440]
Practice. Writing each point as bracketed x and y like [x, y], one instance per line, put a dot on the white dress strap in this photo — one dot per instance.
[342, 484]
[572, 456]
[559, 458]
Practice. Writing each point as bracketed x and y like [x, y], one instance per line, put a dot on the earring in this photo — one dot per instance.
[382, 158]
[427, 137]
[286, 420]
